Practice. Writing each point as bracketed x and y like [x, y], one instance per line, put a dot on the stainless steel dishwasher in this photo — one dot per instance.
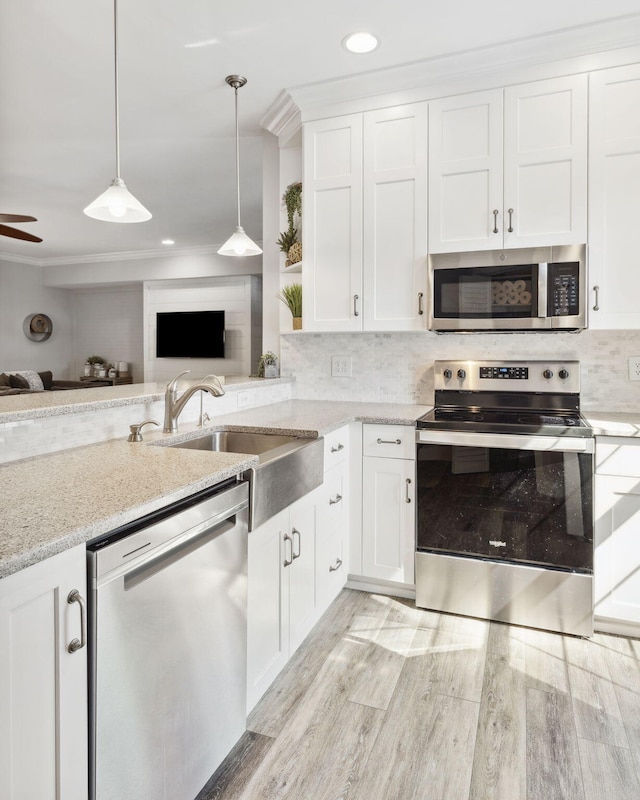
[167, 604]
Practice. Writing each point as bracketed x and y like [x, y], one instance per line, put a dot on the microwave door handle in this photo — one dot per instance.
[543, 274]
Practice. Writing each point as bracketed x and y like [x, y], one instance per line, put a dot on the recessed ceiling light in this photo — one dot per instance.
[361, 42]
[168, 241]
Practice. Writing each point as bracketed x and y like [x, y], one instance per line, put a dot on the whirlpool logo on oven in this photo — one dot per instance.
[494, 543]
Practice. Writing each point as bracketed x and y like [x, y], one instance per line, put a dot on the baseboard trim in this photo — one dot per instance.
[389, 588]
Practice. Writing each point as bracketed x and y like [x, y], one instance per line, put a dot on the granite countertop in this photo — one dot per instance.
[613, 423]
[53, 502]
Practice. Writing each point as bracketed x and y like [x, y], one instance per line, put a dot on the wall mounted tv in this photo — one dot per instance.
[190, 334]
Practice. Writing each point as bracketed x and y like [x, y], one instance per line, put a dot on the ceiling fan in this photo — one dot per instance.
[15, 233]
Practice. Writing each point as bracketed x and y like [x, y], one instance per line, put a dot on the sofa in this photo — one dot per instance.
[29, 381]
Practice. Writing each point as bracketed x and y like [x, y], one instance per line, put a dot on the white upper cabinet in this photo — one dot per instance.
[614, 197]
[332, 224]
[365, 221]
[508, 168]
[395, 218]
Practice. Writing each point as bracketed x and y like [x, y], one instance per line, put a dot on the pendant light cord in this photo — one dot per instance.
[115, 61]
[237, 157]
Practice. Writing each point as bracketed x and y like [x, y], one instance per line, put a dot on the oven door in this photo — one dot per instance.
[522, 499]
[505, 528]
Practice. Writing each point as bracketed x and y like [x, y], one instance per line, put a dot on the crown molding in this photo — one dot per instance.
[570, 50]
[99, 258]
[282, 118]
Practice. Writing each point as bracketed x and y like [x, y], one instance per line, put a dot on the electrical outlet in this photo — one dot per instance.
[244, 399]
[340, 366]
[634, 368]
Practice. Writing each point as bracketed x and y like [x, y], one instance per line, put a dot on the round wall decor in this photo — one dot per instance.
[37, 327]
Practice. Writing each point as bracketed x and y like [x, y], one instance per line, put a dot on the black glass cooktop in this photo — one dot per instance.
[506, 421]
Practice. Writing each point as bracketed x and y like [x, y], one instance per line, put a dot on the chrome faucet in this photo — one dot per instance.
[173, 404]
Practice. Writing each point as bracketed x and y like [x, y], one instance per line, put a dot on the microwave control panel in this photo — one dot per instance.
[564, 288]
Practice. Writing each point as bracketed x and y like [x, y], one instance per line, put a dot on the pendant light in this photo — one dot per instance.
[238, 244]
[117, 204]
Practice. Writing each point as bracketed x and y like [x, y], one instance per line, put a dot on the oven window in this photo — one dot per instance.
[486, 292]
[524, 506]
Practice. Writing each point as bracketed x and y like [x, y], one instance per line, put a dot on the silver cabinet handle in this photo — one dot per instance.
[338, 448]
[337, 566]
[388, 441]
[77, 644]
[420, 309]
[495, 213]
[407, 499]
[288, 562]
[337, 500]
[294, 532]
[510, 213]
[356, 313]
[596, 290]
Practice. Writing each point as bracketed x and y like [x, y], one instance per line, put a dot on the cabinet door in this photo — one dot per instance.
[301, 574]
[465, 172]
[395, 218]
[545, 163]
[617, 554]
[614, 197]
[388, 518]
[43, 687]
[267, 605]
[332, 224]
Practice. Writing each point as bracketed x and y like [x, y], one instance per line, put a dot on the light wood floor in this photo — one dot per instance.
[387, 702]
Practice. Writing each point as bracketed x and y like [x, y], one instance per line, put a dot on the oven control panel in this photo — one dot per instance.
[508, 376]
[505, 373]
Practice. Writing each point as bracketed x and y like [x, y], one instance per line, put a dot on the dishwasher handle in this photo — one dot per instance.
[186, 546]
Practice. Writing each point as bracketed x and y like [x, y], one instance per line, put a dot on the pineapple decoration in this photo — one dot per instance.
[288, 241]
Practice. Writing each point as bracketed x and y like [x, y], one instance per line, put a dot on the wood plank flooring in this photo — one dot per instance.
[384, 701]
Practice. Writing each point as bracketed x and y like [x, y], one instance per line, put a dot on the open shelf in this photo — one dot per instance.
[297, 267]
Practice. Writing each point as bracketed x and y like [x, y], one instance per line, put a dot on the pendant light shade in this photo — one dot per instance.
[238, 244]
[117, 204]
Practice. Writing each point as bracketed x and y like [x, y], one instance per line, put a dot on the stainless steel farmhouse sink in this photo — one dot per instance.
[289, 467]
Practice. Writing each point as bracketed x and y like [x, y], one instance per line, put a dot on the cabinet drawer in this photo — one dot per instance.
[336, 447]
[389, 441]
[332, 500]
[618, 456]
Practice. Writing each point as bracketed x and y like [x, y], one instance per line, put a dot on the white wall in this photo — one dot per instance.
[235, 296]
[22, 293]
[109, 322]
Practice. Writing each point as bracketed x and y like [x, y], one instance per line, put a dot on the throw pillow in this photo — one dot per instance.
[34, 381]
[17, 382]
[4, 379]
[47, 378]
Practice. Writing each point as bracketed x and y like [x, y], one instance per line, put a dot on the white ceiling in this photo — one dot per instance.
[176, 112]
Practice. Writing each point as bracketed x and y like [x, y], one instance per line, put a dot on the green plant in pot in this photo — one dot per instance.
[268, 365]
[291, 296]
[288, 241]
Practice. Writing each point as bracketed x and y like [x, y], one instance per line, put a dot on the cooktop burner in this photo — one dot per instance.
[500, 421]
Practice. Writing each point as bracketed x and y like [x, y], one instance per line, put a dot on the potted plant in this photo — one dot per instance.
[291, 296]
[97, 363]
[288, 241]
[268, 365]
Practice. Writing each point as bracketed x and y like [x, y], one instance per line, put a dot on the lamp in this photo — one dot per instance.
[238, 244]
[117, 204]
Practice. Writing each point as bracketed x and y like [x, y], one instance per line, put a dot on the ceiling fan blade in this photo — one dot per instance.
[14, 233]
[16, 218]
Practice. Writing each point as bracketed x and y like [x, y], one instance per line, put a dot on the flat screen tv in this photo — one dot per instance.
[190, 334]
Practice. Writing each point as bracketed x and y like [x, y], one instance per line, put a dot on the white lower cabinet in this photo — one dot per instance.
[617, 535]
[282, 595]
[43, 687]
[332, 529]
[388, 503]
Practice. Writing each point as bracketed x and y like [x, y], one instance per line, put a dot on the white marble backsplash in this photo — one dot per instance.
[398, 367]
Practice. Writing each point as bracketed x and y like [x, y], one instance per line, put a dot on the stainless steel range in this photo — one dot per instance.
[505, 497]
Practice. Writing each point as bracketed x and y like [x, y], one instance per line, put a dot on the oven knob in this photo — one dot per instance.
[564, 374]
[547, 374]
[447, 373]
[462, 374]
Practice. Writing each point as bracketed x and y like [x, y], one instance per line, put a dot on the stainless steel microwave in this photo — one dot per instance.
[534, 289]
